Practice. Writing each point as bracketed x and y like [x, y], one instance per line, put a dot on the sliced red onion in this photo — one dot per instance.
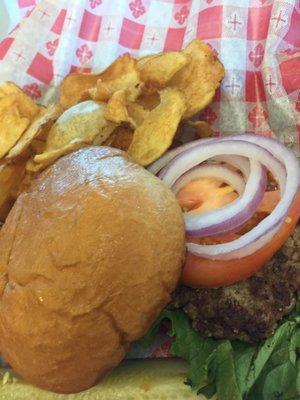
[220, 172]
[244, 251]
[229, 218]
[241, 163]
[157, 165]
[236, 161]
[197, 154]
[268, 152]
[274, 147]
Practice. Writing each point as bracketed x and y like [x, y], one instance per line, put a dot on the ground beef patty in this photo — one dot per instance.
[248, 310]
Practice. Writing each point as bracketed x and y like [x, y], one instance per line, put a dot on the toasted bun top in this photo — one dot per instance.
[88, 258]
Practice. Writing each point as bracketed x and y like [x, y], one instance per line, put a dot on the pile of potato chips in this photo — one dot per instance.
[135, 105]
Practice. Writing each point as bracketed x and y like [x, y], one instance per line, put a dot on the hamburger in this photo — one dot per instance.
[94, 256]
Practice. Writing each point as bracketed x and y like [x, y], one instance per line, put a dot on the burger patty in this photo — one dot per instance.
[249, 310]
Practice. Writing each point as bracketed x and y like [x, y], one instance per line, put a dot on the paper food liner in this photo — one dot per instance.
[258, 41]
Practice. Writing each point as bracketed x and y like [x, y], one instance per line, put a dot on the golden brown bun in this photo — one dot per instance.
[88, 258]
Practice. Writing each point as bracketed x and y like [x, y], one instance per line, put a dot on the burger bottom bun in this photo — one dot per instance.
[133, 379]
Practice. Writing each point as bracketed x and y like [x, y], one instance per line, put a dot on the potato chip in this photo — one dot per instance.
[51, 156]
[199, 78]
[154, 136]
[116, 110]
[11, 176]
[26, 106]
[100, 92]
[38, 146]
[32, 167]
[81, 123]
[203, 129]
[122, 74]
[122, 66]
[156, 70]
[103, 135]
[12, 126]
[44, 132]
[50, 113]
[121, 138]
[137, 112]
[10, 88]
[7, 102]
[149, 101]
[74, 86]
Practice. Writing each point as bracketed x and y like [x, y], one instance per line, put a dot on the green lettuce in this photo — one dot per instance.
[236, 370]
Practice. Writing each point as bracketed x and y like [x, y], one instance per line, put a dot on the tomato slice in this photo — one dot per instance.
[205, 194]
[203, 272]
[269, 201]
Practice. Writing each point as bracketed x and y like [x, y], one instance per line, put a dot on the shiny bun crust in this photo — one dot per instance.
[88, 258]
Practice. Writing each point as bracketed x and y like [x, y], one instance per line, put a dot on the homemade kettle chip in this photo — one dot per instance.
[79, 124]
[199, 78]
[12, 126]
[32, 167]
[50, 113]
[17, 111]
[154, 136]
[156, 70]
[116, 110]
[38, 146]
[122, 74]
[14, 95]
[121, 138]
[203, 129]
[137, 112]
[11, 176]
[74, 86]
[48, 157]
[82, 121]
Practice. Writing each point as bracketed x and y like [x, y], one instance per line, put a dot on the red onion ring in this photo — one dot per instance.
[230, 217]
[238, 162]
[219, 172]
[268, 152]
[160, 163]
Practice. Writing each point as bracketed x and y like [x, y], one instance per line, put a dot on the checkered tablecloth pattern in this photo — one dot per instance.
[258, 42]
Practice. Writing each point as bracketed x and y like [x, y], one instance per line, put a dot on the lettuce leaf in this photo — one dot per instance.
[236, 370]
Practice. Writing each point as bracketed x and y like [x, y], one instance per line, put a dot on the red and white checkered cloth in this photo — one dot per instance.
[258, 42]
